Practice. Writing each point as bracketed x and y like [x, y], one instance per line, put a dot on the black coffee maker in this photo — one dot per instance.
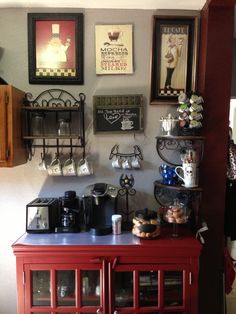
[70, 213]
[99, 204]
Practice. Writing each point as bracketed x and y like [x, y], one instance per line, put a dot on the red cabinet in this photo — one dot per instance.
[78, 274]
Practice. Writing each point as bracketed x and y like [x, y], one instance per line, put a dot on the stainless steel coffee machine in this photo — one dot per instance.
[99, 204]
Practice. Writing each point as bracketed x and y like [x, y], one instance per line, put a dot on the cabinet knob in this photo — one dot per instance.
[115, 312]
[99, 311]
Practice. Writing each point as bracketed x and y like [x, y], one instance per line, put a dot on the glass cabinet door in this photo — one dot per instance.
[41, 292]
[159, 289]
[65, 283]
[68, 289]
[91, 287]
[123, 289]
[173, 288]
[148, 288]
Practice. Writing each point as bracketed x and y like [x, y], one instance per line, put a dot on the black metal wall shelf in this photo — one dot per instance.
[54, 104]
[190, 197]
[178, 143]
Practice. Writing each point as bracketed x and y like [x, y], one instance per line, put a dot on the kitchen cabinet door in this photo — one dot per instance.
[63, 288]
[12, 150]
[150, 289]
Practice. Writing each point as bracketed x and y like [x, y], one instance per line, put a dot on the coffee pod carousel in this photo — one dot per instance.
[176, 214]
[146, 224]
[190, 113]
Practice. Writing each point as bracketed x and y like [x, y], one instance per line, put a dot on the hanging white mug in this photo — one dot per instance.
[126, 164]
[69, 168]
[84, 168]
[189, 171]
[116, 163]
[54, 168]
[135, 163]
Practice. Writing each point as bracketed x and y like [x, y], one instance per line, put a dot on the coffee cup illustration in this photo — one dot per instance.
[127, 124]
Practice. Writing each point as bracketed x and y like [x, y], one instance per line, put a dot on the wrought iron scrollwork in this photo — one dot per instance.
[54, 98]
[58, 102]
[180, 144]
[136, 153]
[127, 183]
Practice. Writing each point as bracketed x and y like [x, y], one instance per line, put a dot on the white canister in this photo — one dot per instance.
[116, 224]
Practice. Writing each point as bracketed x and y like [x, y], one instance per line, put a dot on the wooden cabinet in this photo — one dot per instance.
[12, 150]
[75, 274]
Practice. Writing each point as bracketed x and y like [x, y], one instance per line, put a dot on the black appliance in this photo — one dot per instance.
[41, 215]
[70, 215]
[99, 204]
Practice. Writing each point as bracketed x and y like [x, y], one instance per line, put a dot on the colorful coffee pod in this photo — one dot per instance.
[195, 124]
[195, 107]
[195, 116]
[183, 98]
[183, 108]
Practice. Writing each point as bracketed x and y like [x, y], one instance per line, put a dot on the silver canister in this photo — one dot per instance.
[116, 224]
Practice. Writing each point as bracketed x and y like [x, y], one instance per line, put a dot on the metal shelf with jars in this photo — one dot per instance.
[181, 148]
[54, 119]
[180, 183]
[179, 178]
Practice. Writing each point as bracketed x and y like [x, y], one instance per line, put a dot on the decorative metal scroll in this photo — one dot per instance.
[136, 153]
[58, 102]
[178, 143]
[54, 98]
[127, 183]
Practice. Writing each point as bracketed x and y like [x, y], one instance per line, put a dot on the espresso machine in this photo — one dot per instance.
[70, 216]
[99, 204]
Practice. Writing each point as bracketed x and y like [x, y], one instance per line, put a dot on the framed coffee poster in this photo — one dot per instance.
[114, 49]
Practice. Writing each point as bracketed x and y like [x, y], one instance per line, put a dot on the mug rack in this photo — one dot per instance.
[136, 153]
[52, 105]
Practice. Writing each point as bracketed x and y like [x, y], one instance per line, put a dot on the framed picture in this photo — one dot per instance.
[114, 49]
[118, 113]
[55, 48]
[173, 59]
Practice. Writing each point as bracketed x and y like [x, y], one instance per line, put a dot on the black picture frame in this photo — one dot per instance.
[173, 57]
[55, 48]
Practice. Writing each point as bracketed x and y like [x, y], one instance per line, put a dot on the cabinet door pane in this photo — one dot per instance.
[148, 288]
[90, 287]
[41, 294]
[123, 289]
[65, 287]
[173, 288]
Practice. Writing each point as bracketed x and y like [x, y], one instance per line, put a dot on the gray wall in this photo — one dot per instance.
[21, 184]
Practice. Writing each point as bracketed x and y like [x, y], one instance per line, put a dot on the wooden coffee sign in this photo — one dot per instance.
[118, 114]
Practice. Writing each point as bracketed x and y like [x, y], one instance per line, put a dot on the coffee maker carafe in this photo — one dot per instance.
[99, 203]
[70, 210]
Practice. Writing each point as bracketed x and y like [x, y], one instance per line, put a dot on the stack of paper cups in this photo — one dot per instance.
[116, 224]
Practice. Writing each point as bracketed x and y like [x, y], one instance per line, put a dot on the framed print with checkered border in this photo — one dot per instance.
[55, 48]
[173, 57]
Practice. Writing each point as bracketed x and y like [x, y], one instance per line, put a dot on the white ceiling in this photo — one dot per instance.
[113, 4]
